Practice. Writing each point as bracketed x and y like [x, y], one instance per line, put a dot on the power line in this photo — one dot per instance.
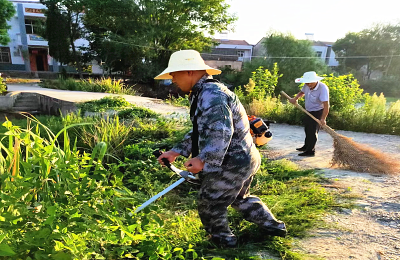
[265, 57]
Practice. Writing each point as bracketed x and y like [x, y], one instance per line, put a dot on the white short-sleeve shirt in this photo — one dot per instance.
[315, 97]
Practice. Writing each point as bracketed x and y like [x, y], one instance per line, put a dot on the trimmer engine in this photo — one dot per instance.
[259, 130]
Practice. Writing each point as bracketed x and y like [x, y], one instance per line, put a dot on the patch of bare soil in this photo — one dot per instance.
[372, 229]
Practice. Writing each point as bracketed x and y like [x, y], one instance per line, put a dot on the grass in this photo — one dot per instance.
[170, 227]
[294, 196]
[104, 85]
[104, 104]
[391, 99]
[178, 101]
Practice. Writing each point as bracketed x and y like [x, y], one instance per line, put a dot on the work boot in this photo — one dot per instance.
[277, 229]
[223, 241]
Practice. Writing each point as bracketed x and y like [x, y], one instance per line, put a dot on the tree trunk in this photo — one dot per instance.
[72, 42]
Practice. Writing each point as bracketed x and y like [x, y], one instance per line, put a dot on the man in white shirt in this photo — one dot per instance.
[316, 96]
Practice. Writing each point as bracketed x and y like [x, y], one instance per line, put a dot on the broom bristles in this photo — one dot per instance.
[360, 158]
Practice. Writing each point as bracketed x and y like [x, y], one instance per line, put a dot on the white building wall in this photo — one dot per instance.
[30, 10]
[321, 49]
[332, 62]
[248, 50]
[15, 42]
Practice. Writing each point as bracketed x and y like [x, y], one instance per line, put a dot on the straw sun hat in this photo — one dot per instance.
[309, 77]
[186, 60]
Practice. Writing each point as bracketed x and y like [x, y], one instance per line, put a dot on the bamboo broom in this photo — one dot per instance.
[354, 156]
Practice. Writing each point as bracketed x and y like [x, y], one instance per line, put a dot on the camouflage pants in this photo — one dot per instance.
[228, 187]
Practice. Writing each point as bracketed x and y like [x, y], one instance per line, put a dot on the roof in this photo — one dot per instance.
[320, 43]
[233, 42]
[260, 41]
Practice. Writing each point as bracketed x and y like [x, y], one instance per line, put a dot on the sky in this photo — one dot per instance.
[327, 20]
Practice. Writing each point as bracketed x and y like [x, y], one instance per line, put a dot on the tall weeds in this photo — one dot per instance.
[104, 85]
[372, 116]
[111, 131]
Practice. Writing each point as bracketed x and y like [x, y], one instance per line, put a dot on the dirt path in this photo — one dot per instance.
[372, 230]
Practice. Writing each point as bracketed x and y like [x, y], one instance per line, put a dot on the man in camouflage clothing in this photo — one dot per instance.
[223, 153]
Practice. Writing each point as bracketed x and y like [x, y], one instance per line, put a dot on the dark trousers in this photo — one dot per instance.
[311, 128]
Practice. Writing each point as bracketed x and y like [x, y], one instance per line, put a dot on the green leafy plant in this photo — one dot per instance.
[52, 195]
[261, 85]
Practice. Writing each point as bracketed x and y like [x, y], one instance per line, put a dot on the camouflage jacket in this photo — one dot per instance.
[223, 125]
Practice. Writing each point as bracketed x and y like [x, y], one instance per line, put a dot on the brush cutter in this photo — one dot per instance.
[186, 176]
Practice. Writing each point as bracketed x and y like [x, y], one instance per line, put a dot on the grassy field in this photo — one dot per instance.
[78, 190]
[391, 99]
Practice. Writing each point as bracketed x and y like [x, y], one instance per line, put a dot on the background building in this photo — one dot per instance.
[229, 53]
[27, 51]
[322, 50]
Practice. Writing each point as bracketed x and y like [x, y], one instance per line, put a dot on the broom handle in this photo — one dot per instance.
[301, 108]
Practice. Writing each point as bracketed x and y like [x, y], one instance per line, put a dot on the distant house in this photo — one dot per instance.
[259, 49]
[27, 51]
[322, 50]
[229, 53]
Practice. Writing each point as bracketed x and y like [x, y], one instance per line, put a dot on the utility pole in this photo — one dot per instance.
[390, 62]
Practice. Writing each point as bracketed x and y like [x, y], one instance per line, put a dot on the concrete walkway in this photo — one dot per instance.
[157, 105]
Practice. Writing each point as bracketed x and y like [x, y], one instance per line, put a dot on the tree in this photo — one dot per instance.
[279, 46]
[148, 31]
[63, 27]
[381, 40]
[7, 11]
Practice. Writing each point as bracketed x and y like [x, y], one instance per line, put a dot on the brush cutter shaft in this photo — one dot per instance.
[172, 186]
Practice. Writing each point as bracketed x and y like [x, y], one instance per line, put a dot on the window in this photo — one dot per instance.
[5, 55]
[318, 54]
[240, 53]
[31, 26]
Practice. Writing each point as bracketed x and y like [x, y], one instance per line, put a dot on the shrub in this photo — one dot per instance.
[265, 81]
[390, 87]
[261, 85]
[374, 116]
[273, 109]
[344, 91]
[104, 104]
[3, 86]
